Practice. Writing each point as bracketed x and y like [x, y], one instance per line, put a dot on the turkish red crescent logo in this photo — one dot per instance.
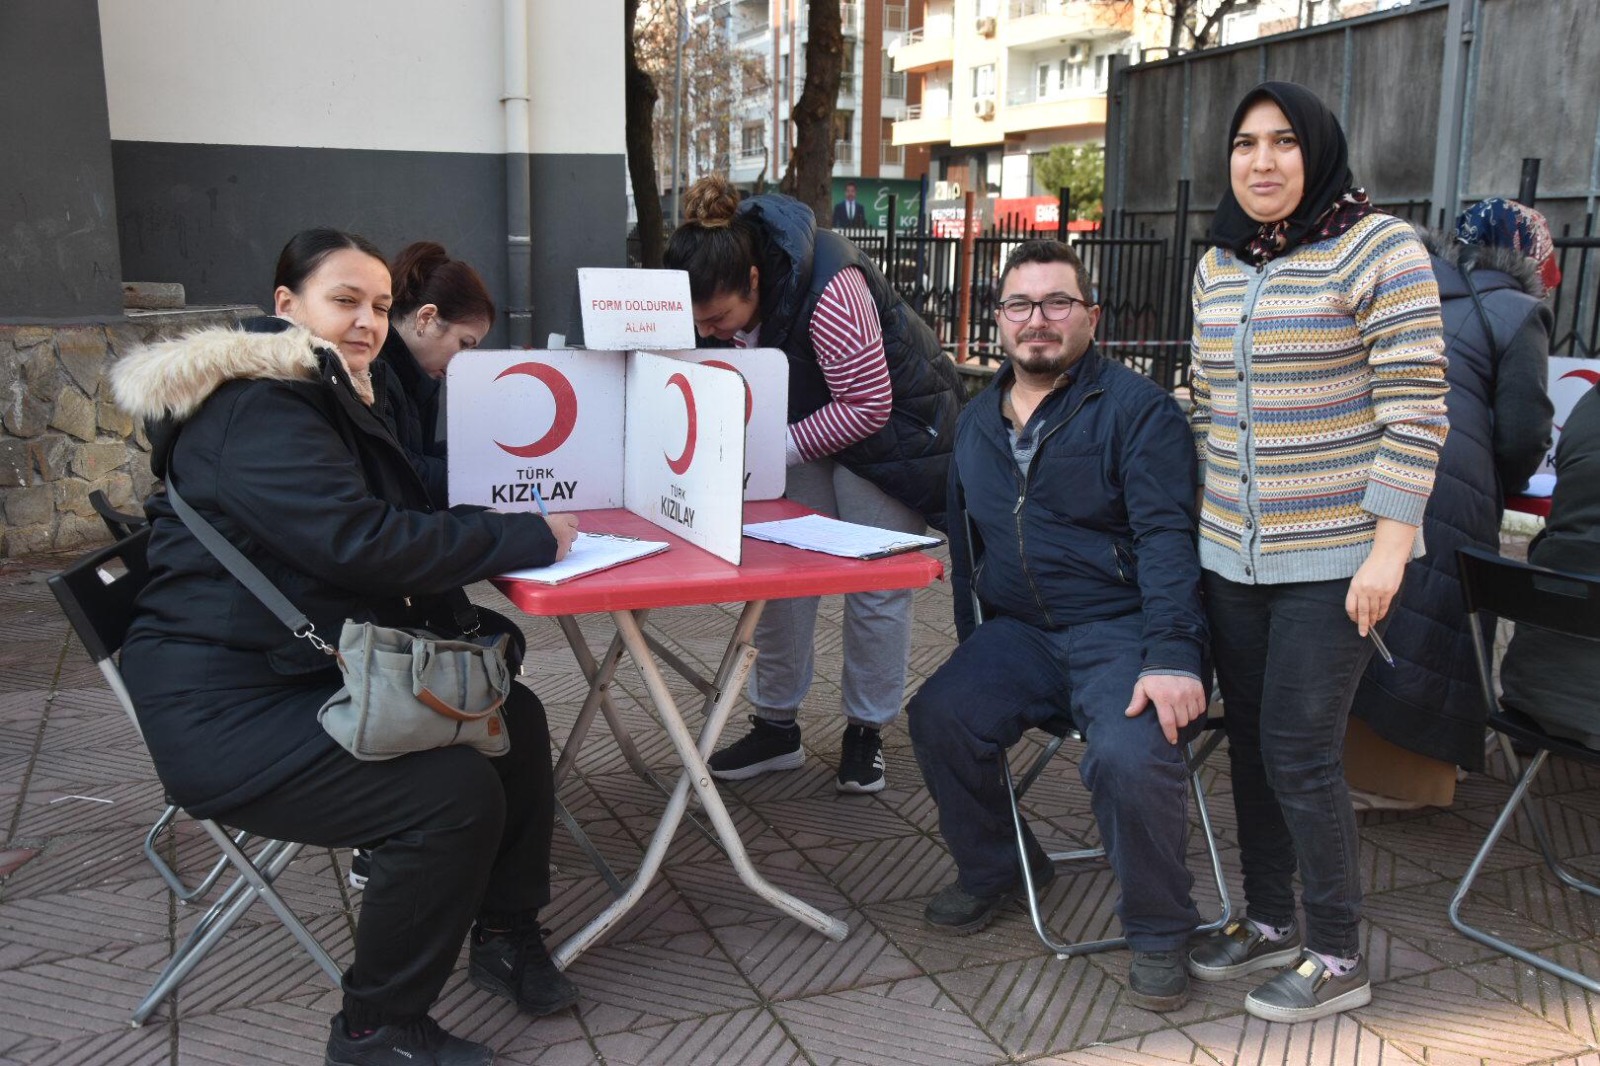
[1591, 376]
[566, 410]
[749, 400]
[681, 463]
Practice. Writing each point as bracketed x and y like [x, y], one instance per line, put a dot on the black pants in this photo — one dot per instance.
[461, 835]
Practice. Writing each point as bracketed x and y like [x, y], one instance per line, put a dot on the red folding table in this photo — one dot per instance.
[686, 576]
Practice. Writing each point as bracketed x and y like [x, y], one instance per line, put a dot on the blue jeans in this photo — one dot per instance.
[1009, 676]
[1289, 659]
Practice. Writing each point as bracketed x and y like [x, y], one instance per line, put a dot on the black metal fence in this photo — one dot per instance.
[1142, 275]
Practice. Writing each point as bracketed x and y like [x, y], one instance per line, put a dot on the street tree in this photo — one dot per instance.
[808, 176]
[1080, 168]
[639, 95]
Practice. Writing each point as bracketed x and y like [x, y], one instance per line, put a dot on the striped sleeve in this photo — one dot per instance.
[848, 340]
[1400, 323]
[1199, 384]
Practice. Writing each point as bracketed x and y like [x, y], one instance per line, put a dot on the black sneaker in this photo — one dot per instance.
[360, 868]
[765, 748]
[1240, 948]
[1158, 981]
[1310, 991]
[860, 760]
[518, 966]
[958, 912]
[422, 1043]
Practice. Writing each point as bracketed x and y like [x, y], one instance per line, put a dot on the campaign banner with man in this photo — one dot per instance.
[551, 419]
[766, 411]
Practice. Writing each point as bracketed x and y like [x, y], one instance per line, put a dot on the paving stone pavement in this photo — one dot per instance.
[702, 971]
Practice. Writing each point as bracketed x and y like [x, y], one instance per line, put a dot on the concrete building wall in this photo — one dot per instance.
[233, 128]
[58, 240]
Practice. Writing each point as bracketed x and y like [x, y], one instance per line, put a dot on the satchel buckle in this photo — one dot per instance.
[310, 633]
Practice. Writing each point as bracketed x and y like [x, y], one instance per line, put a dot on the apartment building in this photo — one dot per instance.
[1004, 80]
[871, 93]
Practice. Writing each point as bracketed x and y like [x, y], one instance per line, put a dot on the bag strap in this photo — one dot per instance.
[247, 573]
[1467, 270]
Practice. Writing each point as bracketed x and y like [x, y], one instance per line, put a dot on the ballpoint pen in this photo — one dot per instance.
[538, 498]
[1377, 642]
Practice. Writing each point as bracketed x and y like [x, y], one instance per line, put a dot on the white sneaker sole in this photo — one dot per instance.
[789, 760]
[856, 788]
[1270, 961]
[1356, 997]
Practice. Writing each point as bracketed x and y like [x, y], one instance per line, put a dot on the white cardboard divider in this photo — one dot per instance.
[684, 457]
[625, 309]
[1569, 380]
[548, 418]
[766, 414]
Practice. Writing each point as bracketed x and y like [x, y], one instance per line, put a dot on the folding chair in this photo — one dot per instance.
[1564, 604]
[120, 523]
[97, 595]
[1194, 757]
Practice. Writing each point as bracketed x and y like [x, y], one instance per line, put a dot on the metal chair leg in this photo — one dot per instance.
[1063, 949]
[1518, 794]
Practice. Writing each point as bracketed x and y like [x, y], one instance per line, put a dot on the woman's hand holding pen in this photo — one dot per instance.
[1374, 586]
[565, 528]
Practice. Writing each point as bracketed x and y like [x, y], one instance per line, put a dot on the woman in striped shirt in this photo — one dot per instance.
[1318, 379]
[872, 412]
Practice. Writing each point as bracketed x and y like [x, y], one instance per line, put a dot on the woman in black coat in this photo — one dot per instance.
[272, 436]
[441, 308]
[1497, 335]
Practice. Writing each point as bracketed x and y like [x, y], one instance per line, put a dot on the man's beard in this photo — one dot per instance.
[1048, 362]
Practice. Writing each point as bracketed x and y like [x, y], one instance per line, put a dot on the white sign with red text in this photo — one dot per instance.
[766, 411]
[683, 461]
[625, 309]
[1570, 379]
[552, 419]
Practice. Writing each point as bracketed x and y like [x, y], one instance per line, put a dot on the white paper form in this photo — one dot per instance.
[819, 533]
[590, 554]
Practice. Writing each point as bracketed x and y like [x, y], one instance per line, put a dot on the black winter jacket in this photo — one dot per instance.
[411, 402]
[1101, 526]
[266, 436]
[1554, 678]
[1500, 413]
[909, 458]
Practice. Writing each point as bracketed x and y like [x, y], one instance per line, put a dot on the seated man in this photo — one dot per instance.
[1078, 557]
[1550, 677]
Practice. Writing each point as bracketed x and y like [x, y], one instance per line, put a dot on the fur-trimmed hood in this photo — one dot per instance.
[1508, 261]
[169, 380]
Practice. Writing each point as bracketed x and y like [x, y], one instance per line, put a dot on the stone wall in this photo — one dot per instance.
[62, 437]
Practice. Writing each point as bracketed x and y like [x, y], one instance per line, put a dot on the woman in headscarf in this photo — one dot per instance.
[1493, 272]
[1318, 381]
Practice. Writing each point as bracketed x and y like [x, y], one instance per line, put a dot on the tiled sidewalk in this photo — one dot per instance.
[703, 972]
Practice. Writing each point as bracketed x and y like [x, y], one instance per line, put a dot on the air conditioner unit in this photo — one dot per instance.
[985, 25]
[1077, 53]
[983, 107]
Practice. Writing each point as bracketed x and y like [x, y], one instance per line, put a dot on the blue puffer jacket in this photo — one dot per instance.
[1101, 526]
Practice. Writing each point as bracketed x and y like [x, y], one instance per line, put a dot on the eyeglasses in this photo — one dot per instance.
[1056, 307]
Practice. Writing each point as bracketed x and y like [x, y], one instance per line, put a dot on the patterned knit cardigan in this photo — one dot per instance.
[1318, 383]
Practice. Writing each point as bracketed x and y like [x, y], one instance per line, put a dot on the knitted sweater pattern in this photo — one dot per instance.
[1318, 386]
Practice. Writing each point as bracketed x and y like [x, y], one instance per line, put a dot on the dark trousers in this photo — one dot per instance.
[461, 834]
[1009, 676]
[1289, 659]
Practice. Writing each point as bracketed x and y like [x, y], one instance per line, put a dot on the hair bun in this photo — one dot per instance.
[712, 202]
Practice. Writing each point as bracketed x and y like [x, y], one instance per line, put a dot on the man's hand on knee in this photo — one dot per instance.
[1178, 701]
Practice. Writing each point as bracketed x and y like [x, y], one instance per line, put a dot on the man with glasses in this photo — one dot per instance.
[1076, 553]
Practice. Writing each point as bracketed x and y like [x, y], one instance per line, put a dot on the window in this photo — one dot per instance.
[752, 139]
[1041, 81]
[983, 81]
[1102, 72]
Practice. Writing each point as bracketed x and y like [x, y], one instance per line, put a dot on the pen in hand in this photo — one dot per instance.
[1377, 642]
[538, 498]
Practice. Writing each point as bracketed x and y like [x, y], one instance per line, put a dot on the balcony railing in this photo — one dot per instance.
[894, 18]
[844, 152]
[913, 112]
[750, 33]
[892, 155]
[748, 154]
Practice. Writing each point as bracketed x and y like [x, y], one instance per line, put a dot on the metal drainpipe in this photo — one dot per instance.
[519, 187]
